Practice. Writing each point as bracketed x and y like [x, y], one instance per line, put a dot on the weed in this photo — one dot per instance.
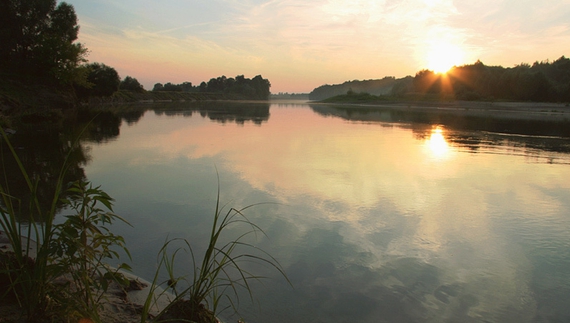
[219, 275]
[55, 272]
[83, 242]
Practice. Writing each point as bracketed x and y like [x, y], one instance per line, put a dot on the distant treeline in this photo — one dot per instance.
[253, 89]
[289, 96]
[543, 81]
[374, 87]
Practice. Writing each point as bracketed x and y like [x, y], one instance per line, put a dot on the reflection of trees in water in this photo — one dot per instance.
[43, 153]
[223, 112]
[475, 131]
[104, 124]
[43, 149]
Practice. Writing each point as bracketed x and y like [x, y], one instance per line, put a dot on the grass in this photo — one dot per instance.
[67, 278]
[218, 276]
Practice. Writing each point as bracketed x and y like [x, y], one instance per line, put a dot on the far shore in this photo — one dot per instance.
[511, 110]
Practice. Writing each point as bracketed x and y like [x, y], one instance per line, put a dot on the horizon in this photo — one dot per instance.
[299, 46]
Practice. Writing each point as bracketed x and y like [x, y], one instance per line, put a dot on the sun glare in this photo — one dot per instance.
[443, 56]
[437, 143]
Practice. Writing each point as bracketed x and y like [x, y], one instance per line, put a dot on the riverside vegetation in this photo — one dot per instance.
[44, 69]
[546, 81]
[58, 272]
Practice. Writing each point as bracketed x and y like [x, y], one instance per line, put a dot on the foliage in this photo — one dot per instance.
[38, 40]
[55, 271]
[252, 89]
[256, 88]
[103, 81]
[543, 81]
[131, 84]
[82, 242]
[219, 275]
[374, 87]
[183, 87]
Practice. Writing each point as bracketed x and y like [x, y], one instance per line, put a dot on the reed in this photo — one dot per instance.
[220, 273]
[55, 271]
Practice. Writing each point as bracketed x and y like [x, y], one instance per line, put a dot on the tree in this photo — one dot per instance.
[103, 81]
[158, 87]
[186, 87]
[38, 39]
[131, 84]
[261, 87]
[172, 87]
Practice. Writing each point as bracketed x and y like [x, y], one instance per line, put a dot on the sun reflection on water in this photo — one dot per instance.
[437, 144]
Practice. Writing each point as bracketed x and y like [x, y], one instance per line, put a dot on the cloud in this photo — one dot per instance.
[322, 41]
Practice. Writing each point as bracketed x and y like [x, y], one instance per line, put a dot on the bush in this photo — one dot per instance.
[60, 276]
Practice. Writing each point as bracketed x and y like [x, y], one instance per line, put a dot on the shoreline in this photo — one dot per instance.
[508, 110]
[120, 305]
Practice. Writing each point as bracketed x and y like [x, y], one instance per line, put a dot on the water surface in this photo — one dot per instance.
[376, 215]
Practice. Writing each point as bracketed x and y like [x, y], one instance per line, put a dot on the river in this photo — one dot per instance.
[374, 214]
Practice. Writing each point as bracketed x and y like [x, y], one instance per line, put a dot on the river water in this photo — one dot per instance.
[374, 214]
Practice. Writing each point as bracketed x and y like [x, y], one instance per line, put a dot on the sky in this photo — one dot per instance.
[302, 44]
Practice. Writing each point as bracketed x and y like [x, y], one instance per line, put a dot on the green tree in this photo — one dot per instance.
[38, 39]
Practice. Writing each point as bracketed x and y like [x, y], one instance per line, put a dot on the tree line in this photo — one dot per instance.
[546, 81]
[542, 81]
[240, 86]
[39, 47]
[374, 87]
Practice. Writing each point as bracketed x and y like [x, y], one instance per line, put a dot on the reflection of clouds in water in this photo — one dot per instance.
[405, 235]
[471, 276]
[332, 273]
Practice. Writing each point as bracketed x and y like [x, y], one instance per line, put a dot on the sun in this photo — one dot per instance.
[442, 56]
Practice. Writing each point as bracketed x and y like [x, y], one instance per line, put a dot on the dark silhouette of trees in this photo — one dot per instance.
[187, 87]
[102, 80]
[238, 87]
[542, 81]
[158, 87]
[183, 87]
[255, 89]
[172, 87]
[131, 84]
[375, 87]
[38, 40]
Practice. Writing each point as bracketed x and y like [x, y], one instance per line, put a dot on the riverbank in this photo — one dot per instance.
[128, 97]
[119, 305]
[512, 110]
[22, 99]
